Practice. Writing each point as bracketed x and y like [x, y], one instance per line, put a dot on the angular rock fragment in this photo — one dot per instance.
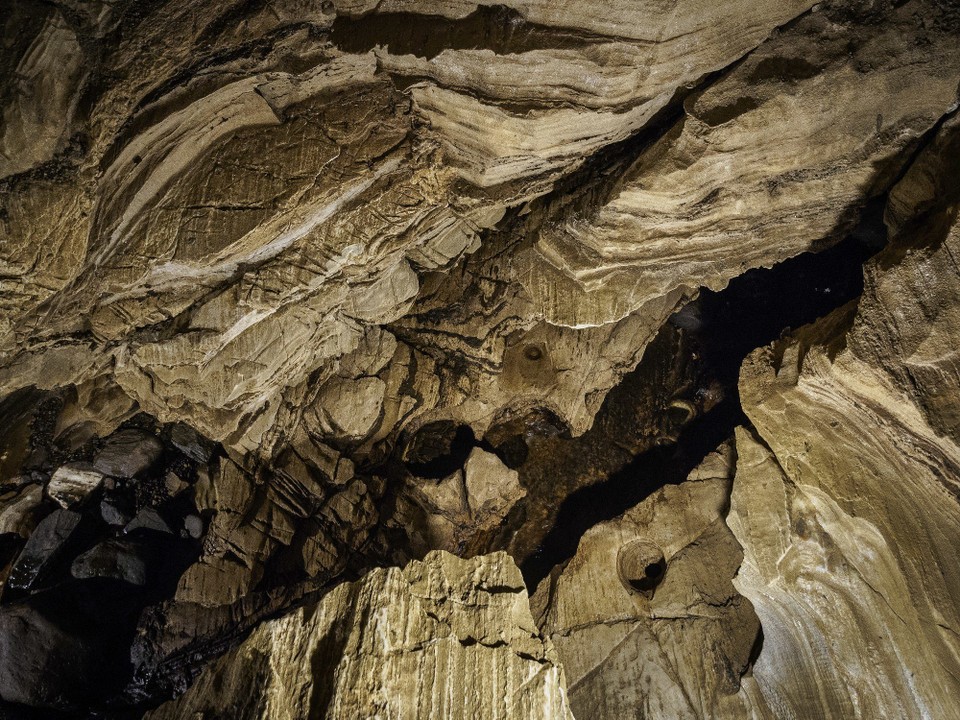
[112, 515]
[112, 559]
[492, 488]
[45, 546]
[191, 443]
[70, 484]
[148, 519]
[127, 453]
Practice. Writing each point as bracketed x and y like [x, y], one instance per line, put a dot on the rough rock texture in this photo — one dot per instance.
[441, 638]
[645, 617]
[846, 499]
[296, 292]
[232, 294]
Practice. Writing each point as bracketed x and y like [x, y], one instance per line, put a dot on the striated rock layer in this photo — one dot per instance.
[441, 638]
[295, 294]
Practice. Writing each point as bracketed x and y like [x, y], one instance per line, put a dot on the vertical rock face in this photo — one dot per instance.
[441, 638]
[846, 497]
[645, 617]
[295, 294]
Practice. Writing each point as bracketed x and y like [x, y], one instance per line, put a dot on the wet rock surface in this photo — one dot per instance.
[318, 320]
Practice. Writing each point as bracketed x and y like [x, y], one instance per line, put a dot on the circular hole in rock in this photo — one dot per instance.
[533, 353]
[641, 565]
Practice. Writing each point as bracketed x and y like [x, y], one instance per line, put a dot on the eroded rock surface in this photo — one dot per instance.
[441, 638]
[296, 294]
[846, 496]
[645, 616]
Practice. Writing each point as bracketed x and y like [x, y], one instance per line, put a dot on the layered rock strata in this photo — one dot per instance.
[846, 495]
[295, 294]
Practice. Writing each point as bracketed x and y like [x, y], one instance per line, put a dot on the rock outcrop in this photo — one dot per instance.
[645, 616]
[441, 638]
[846, 497]
[320, 318]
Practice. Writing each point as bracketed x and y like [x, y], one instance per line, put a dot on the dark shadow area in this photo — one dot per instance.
[496, 27]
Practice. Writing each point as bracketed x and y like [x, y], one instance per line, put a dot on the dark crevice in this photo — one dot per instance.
[755, 309]
[438, 449]
[647, 473]
[496, 27]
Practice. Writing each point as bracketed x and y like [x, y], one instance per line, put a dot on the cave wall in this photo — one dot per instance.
[300, 301]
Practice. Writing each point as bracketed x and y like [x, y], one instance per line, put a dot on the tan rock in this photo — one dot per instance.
[763, 166]
[71, 483]
[846, 498]
[645, 617]
[19, 508]
[442, 638]
[492, 489]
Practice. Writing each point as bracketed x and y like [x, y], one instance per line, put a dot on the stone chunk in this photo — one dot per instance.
[70, 484]
[43, 548]
[492, 488]
[112, 559]
[112, 515]
[193, 526]
[191, 443]
[127, 453]
[148, 519]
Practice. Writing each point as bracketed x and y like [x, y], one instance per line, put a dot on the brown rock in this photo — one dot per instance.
[645, 617]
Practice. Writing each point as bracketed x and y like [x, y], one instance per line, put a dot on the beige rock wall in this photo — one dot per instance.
[442, 638]
[846, 496]
[645, 618]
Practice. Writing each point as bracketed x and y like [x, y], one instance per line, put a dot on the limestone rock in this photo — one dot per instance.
[18, 508]
[645, 617]
[441, 638]
[699, 207]
[492, 488]
[270, 273]
[846, 498]
[322, 286]
[147, 519]
[70, 484]
[38, 119]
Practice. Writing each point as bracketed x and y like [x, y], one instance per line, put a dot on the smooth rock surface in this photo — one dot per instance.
[667, 636]
[127, 453]
[44, 547]
[850, 538]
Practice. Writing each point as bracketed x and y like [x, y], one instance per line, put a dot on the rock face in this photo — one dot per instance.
[295, 294]
[846, 497]
[645, 617]
[441, 638]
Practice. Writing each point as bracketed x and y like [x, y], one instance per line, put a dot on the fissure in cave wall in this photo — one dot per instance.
[417, 359]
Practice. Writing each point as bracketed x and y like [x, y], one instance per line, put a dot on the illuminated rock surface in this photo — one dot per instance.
[656, 302]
